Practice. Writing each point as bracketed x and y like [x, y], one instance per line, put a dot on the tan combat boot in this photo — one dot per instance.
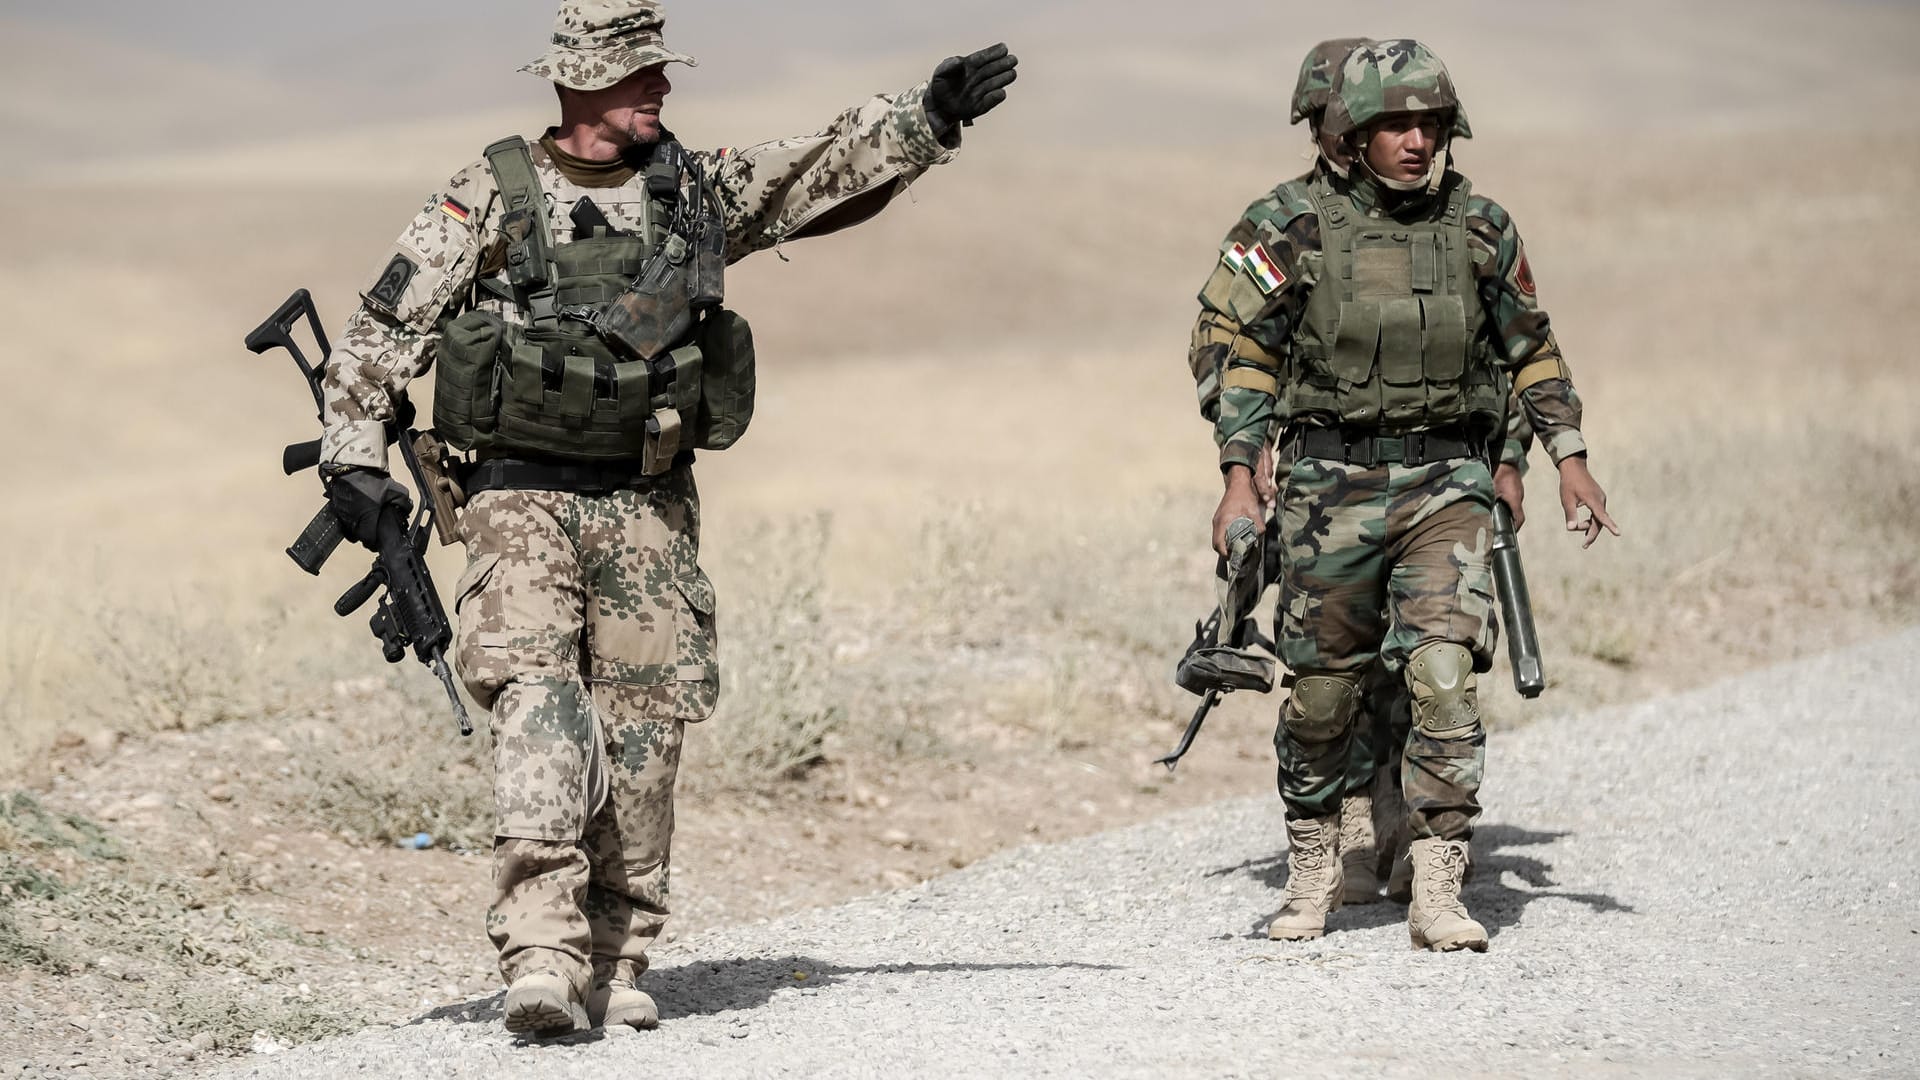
[1313, 879]
[1359, 851]
[1436, 919]
[543, 1003]
[615, 1000]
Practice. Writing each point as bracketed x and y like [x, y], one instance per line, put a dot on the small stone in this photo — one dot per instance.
[152, 800]
[202, 1041]
[897, 837]
[220, 793]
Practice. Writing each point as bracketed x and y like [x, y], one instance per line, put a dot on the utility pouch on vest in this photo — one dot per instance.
[652, 314]
[727, 383]
[707, 285]
[466, 388]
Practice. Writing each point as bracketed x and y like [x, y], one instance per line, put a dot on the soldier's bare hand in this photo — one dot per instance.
[1509, 488]
[1578, 489]
[1239, 501]
[1263, 479]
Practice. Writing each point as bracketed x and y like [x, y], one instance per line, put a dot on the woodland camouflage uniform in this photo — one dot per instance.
[1372, 812]
[1381, 559]
[586, 623]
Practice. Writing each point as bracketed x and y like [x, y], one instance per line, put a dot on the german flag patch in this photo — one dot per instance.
[454, 210]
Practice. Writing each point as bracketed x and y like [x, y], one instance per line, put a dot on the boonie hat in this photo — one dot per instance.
[596, 43]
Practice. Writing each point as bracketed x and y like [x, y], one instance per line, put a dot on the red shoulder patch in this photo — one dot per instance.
[1523, 276]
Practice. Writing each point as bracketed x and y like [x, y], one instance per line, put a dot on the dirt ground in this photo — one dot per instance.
[965, 541]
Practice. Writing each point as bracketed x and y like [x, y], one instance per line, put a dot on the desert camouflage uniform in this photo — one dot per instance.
[586, 624]
[1377, 560]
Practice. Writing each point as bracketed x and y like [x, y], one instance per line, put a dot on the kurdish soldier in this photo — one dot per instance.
[570, 289]
[1377, 324]
[1373, 833]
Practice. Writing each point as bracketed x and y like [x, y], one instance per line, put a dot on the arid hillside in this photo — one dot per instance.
[966, 539]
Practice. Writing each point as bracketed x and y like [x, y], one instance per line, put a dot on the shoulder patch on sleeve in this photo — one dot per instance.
[392, 286]
[1523, 276]
[1265, 272]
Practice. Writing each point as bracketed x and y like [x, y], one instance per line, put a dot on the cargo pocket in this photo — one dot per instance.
[696, 648]
[483, 671]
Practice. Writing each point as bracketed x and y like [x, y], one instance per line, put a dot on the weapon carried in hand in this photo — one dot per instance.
[1221, 658]
[1516, 607]
[408, 613]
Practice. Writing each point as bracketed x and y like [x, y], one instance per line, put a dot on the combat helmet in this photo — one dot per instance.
[596, 43]
[1393, 78]
[1317, 72]
[1389, 78]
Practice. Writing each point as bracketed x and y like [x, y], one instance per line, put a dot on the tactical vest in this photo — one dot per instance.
[623, 352]
[1393, 335]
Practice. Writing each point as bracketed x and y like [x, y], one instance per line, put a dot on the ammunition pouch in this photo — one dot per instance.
[1395, 334]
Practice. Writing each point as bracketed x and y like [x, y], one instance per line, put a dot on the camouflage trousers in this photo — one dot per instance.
[586, 627]
[1375, 563]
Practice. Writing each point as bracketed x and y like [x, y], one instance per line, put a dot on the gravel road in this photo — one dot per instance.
[1716, 883]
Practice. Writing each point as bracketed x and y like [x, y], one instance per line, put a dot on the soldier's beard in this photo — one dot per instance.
[643, 129]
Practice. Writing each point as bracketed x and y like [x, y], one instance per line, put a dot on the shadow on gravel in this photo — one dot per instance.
[715, 986]
[1489, 898]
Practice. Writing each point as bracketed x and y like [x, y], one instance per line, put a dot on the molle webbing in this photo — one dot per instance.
[524, 223]
[1391, 335]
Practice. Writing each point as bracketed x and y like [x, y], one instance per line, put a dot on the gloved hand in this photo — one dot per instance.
[965, 87]
[360, 497]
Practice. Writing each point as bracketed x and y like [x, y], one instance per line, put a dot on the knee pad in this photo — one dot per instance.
[1322, 707]
[1445, 699]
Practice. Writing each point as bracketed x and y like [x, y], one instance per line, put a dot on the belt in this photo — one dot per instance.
[1362, 447]
[580, 478]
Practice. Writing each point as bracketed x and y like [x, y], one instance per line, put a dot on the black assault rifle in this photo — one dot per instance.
[409, 612]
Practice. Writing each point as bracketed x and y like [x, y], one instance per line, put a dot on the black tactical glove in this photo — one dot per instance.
[965, 87]
[360, 498]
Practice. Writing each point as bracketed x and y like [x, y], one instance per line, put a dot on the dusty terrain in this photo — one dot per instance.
[1141, 952]
[964, 542]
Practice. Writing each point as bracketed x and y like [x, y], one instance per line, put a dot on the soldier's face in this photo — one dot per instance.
[1401, 148]
[629, 110]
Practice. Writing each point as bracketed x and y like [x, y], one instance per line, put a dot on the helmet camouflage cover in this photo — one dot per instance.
[1392, 78]
[1316, 75]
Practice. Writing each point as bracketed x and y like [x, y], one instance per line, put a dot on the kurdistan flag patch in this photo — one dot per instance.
[1264, 270]
[1235, 257]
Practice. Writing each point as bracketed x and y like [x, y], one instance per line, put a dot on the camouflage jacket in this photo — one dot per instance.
[1284, 221]
[783, 190]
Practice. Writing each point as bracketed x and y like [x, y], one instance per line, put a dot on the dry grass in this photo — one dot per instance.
[970, 521]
